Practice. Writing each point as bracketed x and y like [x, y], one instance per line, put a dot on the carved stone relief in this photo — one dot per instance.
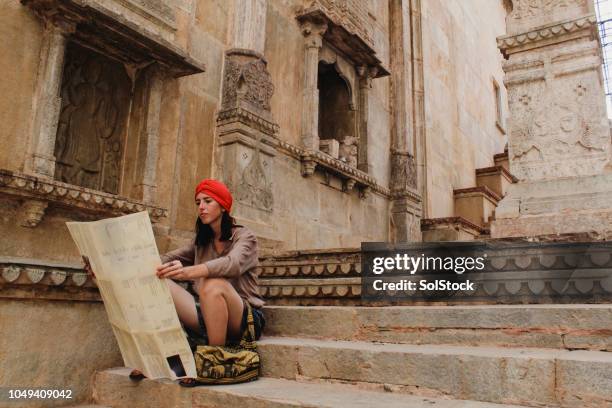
[351, 14]
[403, 170]
[95, 100]
[557, 131]
[255, 188]
[347, 151]
[247, 81]
[531, 13]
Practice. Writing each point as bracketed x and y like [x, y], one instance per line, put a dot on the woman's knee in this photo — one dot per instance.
[213, 287]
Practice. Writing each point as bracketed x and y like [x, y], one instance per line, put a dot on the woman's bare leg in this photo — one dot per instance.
[222, 308]
[185, 306]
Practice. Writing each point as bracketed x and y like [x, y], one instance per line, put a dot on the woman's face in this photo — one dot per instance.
[208, 209]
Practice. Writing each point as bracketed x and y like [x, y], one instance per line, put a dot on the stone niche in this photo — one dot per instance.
[340, 64]
[96, 109]
[559, 141]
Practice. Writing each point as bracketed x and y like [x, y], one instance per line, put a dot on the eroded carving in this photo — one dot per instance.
[347, 151]
[31, 212]
[95, 97]
[254, 188]
[247, 81]
[403, 170]
[557, 131]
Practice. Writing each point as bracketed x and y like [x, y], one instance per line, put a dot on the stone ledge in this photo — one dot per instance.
[46, 190]
[545, 33]
[432, 223]
[481, 190]
[495, 170]
[30, 279]
[351, 177]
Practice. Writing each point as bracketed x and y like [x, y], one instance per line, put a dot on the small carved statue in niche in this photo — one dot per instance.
[95, 94]
[348, 151]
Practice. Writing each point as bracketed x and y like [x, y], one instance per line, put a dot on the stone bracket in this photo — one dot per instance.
[350, 176]
[37, 193]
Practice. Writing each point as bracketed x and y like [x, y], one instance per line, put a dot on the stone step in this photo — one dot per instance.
[569, 326]
[476, 204]
[113, 388]
[501, 159]
[523, 376]
[449, 229]
[496, 178]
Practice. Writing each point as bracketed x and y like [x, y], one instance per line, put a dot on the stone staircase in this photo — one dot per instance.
[408, 356]
[474, 206]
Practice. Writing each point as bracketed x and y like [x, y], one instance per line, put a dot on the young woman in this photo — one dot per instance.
[220, 267]
[221, 263]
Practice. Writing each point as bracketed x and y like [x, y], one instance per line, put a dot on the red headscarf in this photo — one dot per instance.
[217, 190]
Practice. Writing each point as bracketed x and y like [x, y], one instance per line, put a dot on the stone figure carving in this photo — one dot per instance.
[250, 82]
[557, 127]
[534, 8]
[95, 94]
[348, 150]
[254, 188]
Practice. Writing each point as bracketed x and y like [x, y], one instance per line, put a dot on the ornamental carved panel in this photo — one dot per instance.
[558, 131]
[247, 81]
[255, 187]
[96, 93]
[528, 14]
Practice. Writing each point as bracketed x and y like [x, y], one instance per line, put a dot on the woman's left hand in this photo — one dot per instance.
[176, 270]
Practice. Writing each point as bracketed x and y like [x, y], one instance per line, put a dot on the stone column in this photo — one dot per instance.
[366, 74]
[559, 136]
[313, 33]
[47, 100]
[405, 203]
[246, 131]
[147, 172]
[249, 25]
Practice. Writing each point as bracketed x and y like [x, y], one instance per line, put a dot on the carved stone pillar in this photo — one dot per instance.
[146, 184]
[406, 202]
[47, 101]
[247, 135]
[559, 137]
[313, 33]
[366, 74]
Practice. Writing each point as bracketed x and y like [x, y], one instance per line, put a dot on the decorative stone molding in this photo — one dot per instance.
[351, 176]
[38, 192]
[348, 29]
[29, 279]
[102, 28]
[550, 34]
[244, 116]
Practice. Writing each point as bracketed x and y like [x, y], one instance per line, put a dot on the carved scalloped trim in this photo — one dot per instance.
[307, 291]
[23, 274]
[27, 186]
[512, 41]
[317, 269]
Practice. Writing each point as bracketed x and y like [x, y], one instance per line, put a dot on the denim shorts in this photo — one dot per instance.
[201, 339]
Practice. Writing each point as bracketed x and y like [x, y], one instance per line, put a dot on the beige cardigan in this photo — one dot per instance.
[237, 263]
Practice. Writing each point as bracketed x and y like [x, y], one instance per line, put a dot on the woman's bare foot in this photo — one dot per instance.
[136, 375]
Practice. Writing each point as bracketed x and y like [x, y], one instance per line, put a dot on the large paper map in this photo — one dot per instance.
[123, 254]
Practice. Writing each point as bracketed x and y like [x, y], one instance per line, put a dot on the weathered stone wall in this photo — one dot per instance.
[54, 345]
[461, 60]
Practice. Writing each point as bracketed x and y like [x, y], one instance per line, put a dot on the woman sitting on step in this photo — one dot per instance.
[220, 269]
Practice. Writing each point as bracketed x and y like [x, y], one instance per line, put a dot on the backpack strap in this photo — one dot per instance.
[248, 337]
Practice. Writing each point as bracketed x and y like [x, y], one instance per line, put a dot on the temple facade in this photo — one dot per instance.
[333, 122]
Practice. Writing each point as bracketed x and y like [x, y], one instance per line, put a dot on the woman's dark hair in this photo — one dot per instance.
[204, 233]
